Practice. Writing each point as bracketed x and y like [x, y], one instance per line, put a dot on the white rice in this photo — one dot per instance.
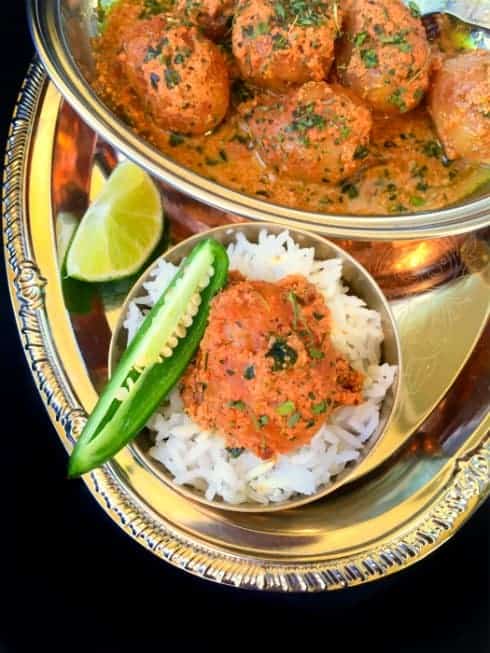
[199, 458]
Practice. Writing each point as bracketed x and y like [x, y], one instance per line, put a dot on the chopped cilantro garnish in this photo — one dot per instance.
[249, 373]
[286, 408]
[239, 405]
[369, 58]
[316, 353]
[319, 408]
[432, 149]
[248, 31]
[397, 40]
[419, 171]
[398, 208]
[240, 138]
[305, 118]
[414, 9]
[301, 13]
[172, 77]
[235, 452]
[155, 51]
[280, 10]
[396, 98]
[240, 91]
[293, 419]
[284, 356]
[361, 152]
[154, 7]
[262, 28]
[350, 190]
[360, 38]
[279, 42]
[175, 139]
[345, 132]
[253, 31]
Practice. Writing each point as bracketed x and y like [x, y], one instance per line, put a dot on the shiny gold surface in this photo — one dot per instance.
[360, 283]
[62, 31]
[429, 473]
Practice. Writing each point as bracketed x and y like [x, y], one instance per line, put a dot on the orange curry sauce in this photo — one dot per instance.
[404, 168]
[267, 375]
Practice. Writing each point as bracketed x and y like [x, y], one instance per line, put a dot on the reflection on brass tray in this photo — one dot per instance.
[400, 267]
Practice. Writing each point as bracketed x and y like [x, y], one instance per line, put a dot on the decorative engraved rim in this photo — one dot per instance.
[467, 488]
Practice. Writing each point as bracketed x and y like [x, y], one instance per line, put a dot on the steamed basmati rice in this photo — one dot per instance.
[199, 458]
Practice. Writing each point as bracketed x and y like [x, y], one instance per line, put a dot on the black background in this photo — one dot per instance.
[71, 581]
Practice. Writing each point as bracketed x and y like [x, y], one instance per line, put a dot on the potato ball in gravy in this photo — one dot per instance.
[333, 106]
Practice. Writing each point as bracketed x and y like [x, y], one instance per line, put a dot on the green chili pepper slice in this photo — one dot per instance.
[155, 359]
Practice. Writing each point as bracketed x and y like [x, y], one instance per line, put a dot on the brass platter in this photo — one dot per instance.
[425, 479]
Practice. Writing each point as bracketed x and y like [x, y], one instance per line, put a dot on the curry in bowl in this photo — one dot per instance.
[330, 106]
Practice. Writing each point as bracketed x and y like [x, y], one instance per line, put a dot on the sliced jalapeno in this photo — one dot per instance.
[155, 359]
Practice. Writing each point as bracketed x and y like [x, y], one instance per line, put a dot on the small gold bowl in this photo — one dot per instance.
[359, 281]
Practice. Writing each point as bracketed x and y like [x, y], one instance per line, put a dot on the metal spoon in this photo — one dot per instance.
[475, 12]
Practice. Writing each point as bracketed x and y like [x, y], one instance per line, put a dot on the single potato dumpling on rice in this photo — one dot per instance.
[278, 44]
[267, 375]
[287, 385]
[314, 133]
[172, 66]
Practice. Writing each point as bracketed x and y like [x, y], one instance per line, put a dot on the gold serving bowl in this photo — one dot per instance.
[359, 281]
[63, 31]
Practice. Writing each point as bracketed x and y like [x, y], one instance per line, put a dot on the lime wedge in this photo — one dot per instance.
[120, 230]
